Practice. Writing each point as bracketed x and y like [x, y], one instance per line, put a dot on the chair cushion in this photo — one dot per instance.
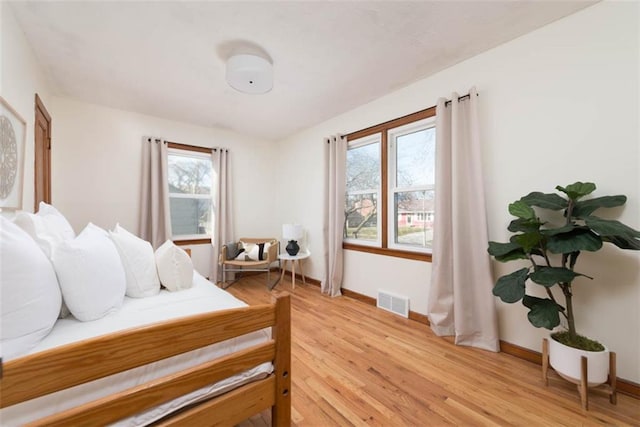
[233, 250]
[256, 251]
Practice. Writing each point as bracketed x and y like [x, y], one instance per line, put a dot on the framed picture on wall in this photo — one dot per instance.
[13, 131]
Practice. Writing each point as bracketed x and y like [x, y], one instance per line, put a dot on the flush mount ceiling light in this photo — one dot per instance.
[249, 74]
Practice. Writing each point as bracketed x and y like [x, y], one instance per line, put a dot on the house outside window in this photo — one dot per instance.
[390, 187]
[190, 201]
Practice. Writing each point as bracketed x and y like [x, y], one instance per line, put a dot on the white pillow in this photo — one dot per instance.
[175, 267]
[138, 262]
[48, 227]
[252, 251]
[31, 298]
[90, 274]
[248, 248]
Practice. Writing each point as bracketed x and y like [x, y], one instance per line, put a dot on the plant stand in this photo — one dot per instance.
[608, 388]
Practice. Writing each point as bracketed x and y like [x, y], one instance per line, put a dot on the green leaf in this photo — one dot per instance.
[577, 189]
[549, 276]
[545, 201]
[585, 208]
[511, 256]
[529, 301]
[504, 252]
[543, 313]
[524, 225]
[622, 242]
[522, 210]
[560, 230]
[579, 239]
[528, 241]
[610, 227]
[510, 288]
[499, 249]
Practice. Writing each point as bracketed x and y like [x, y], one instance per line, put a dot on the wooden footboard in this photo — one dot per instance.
[39, 374]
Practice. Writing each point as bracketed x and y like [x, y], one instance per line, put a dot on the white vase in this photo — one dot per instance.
[566, 361]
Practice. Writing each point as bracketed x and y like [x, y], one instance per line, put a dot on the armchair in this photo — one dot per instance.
[249, 259]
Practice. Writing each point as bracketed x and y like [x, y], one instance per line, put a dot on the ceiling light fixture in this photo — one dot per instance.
[250, 74]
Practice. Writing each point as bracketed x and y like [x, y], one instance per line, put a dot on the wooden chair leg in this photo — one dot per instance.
[545, 361]
[584, 382]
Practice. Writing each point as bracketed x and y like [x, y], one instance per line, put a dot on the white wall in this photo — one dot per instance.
[97, 158]
[557, 105]
[21, 77]
[563, 98]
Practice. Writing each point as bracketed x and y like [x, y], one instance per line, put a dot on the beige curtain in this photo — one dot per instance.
[336, 164]
[222, 207]
[460, 299]
[155, 217]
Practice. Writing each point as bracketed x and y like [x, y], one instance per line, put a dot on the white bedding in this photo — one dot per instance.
[202, 297]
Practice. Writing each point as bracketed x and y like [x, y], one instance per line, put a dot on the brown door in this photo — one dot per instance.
[42, 154]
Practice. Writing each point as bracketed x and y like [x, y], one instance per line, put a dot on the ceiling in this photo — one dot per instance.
[167, 58]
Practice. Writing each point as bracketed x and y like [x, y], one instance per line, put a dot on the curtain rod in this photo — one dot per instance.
[187, 146]
[460, 98]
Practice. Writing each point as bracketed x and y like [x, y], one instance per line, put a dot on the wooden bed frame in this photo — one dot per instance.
[63, 367]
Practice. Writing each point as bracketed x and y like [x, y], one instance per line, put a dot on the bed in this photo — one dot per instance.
[196, 367]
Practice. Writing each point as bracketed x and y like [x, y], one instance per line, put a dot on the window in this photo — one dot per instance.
[363, 191]
[390, 185]
[190, 181]
[411, 184]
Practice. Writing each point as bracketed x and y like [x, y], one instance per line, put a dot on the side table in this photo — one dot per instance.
[292, 262]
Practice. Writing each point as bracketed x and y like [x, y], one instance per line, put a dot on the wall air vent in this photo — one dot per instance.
[397, 304]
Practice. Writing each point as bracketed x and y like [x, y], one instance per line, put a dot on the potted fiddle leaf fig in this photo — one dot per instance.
[550, 231]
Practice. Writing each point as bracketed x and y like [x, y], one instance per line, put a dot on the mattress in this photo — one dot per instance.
[202, 297]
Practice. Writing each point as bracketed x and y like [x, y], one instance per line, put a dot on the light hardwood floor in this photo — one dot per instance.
[354, 364]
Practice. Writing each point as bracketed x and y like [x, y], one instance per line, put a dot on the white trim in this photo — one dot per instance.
[362, 242]
[185, 152]
[365, 140]
[359, 192]
[416, 188]
[429, 122]
[189, 196]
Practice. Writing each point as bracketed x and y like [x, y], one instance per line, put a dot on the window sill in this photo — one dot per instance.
[184, 242]
[417, 256]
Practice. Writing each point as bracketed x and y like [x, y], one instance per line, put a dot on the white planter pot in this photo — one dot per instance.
[566, 362]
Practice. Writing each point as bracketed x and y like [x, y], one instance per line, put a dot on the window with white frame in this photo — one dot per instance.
[390, 186]
[362, 222]
[190, 190]
[411, 185]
